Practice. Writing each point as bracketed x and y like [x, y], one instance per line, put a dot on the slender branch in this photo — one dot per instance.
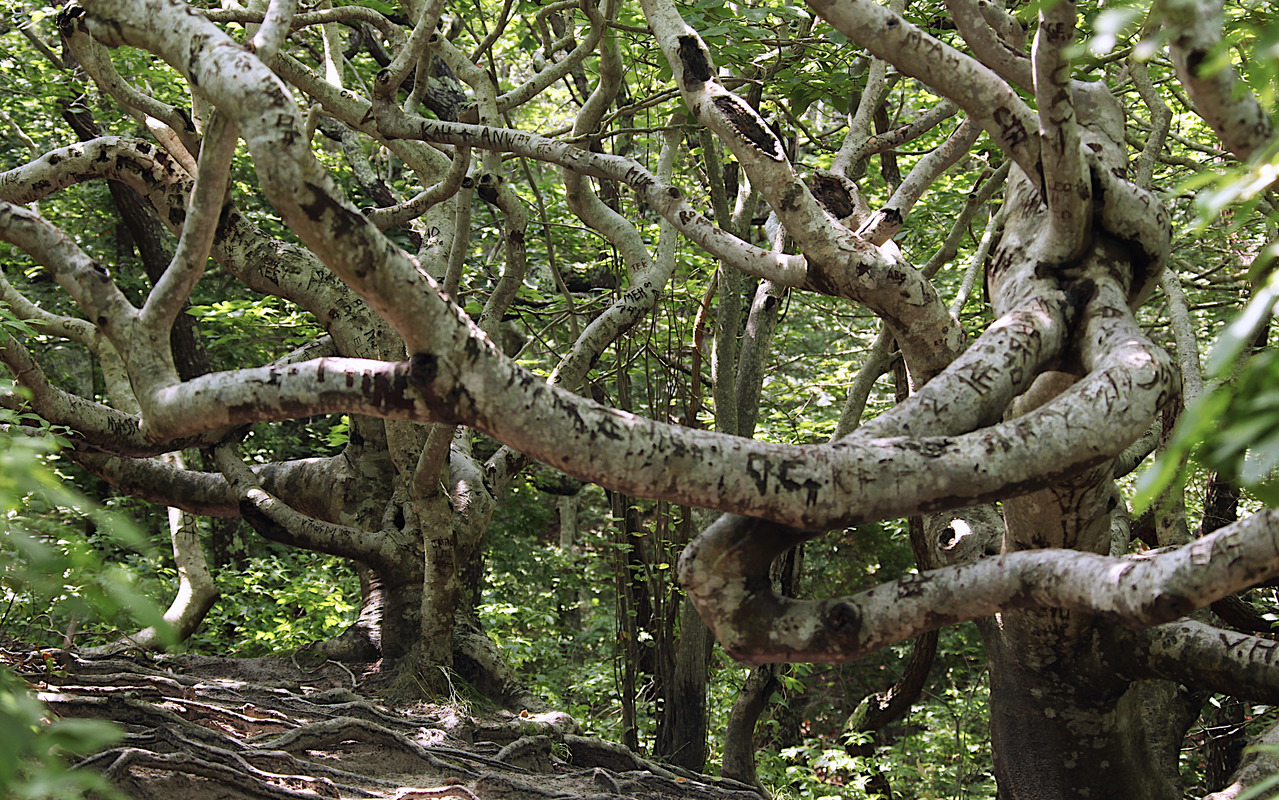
[884, 225]
[930, 119]
[1161, 120]
[976, 89]
[559, 68]
[990, 48]
[204, 210]
[410, 53]
[276, 24]
[420, 203]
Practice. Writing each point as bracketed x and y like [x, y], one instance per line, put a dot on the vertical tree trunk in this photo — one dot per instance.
[627, 627]
[739, 738]
[1057, 724]
[752, 699]
[681, 738]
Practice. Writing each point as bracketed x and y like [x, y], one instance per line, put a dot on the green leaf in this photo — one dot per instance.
[1241, 333]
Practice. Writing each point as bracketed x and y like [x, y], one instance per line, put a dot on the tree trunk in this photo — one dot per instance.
[681, 737]
[1056, 725]
[739, 738]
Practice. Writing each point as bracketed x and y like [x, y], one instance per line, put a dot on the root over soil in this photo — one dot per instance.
[199, 728]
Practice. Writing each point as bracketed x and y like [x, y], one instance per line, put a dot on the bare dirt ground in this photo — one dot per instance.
[200, 728]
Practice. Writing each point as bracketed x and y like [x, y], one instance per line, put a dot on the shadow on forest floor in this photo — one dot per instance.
[198, 727]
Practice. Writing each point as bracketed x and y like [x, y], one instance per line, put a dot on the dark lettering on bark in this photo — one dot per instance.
[1011, 129]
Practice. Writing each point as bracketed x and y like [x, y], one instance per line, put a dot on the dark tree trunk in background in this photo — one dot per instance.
[681, 736]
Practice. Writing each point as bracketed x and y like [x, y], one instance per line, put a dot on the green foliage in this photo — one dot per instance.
[1234, 427]
[32, 748]
[278, 602]
[550, 610]
[256, 330]
[53, 572]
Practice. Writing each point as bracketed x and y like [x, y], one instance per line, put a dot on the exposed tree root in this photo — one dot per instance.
[268, 729]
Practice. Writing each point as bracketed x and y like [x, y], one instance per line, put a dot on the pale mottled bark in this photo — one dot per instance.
[759, 627]
[1033, 413]
[1236, 116]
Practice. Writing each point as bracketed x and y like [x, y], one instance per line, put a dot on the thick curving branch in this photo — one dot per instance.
[1065, 180]
[815, 486]
[458, 376]
[839, 262]
[975, 88]
[1215, 89]
[171, 127]
[1203, 656]
[260, 261]
[756, 626]
[278, 521]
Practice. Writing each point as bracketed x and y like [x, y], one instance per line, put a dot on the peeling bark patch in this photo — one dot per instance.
[790, 200]
[757, 469]
[68, 20]
[912, 586]
[750, 125]
[697, 67]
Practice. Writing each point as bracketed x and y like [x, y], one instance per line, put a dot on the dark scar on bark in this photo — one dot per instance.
[423, 368]
[833, 195]
[697, 70]
[261, 523]
[750, 125]
[844, 619]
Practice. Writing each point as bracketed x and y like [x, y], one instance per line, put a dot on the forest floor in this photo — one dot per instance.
[200, 728]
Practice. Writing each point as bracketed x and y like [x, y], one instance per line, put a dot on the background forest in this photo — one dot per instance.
[578, 587]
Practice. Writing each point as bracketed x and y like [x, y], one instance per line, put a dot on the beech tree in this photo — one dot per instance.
[1019, 413]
